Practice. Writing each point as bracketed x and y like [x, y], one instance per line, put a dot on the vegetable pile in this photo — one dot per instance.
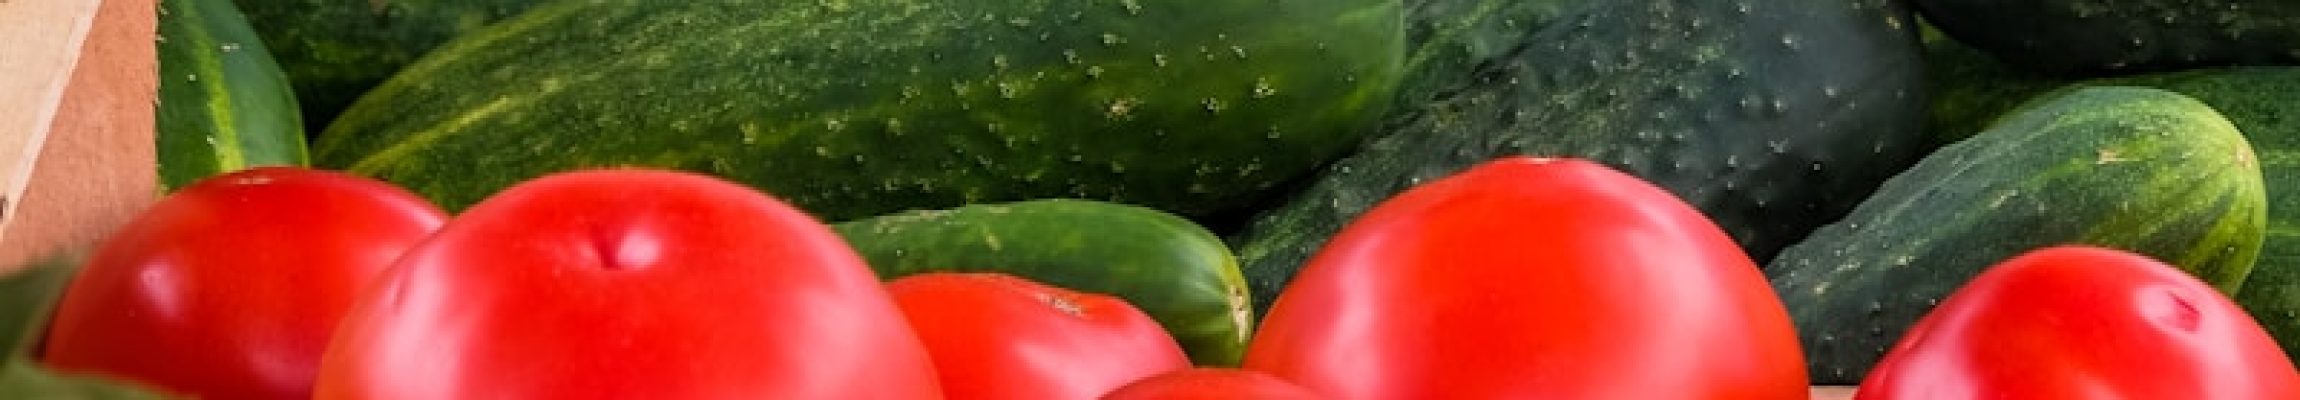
[1161, 199]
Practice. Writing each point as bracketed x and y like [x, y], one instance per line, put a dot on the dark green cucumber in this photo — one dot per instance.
[1164, 265]
[856, 108]
[2272, 293]
[1970, 88]
[2144, 170]
[224, 105]
[2261, 102]
[335, 50]
[2095, 36]
[1452, 44]
[1771, 116]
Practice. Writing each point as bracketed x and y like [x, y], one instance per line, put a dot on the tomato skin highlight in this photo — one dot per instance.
[625, 284]
[997, 336]
[1532, 278]
[1212, 384]
[2081, 322]
[231, 287]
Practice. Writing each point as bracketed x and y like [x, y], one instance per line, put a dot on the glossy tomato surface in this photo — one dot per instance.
[629, 284]
[996, 336]
[1532, 278]
[2077, 322]
[1212, 384]
[231, 287]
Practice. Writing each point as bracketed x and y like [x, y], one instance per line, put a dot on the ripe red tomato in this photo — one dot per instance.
[996, 336]
[230, 288]
[628, 284]
[1212, 384]
[2080, 322]
[1532, 278]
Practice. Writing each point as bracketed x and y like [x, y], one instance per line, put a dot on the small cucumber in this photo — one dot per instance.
[1172, 269]
[224, 104]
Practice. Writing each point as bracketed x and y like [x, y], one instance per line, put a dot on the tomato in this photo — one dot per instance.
[2076, 322]
[231, 287]
[628, 284]
[996, 336]
[1532, 278]
[1212, 384]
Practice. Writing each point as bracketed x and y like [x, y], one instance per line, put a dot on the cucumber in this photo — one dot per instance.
[1773, 117]
[2074, 37]
[2144, 170]
[2260, 102]
[2257, 100]
[335, 50]
[1451, 44]
[224, 105]
[1971, 88]
[855, 108]
[1173, 270]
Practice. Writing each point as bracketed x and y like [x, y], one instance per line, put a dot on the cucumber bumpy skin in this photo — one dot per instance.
[1773, 117]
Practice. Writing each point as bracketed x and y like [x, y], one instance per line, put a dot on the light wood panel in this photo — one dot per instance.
[77, 83]
[40, 42]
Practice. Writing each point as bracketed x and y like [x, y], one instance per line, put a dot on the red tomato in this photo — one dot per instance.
[2084, 323]
[1212, 384]
[230, 288]
[1532, 278]
[628, 284]
[995, 336]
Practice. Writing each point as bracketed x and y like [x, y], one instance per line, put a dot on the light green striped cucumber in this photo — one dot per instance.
[2264, 103]
[224, 104]
[1171, 269]
[2144, 170]
[2260, 101]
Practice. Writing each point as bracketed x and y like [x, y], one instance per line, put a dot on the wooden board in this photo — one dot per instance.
[44, 38]
[76, 118]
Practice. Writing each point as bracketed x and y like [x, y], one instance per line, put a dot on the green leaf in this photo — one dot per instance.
[26, 299]
[21, 379]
